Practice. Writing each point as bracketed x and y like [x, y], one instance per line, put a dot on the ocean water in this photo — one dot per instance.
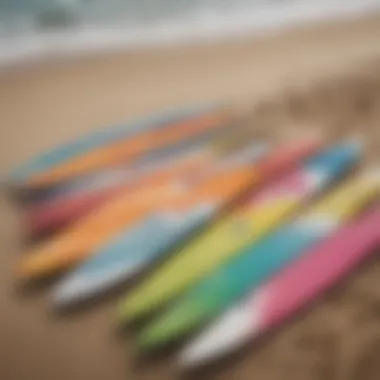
[35, 28]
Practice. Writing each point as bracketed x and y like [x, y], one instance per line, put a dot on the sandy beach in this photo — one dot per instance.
[44, 104]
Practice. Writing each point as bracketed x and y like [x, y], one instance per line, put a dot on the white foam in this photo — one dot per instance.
[205, 27]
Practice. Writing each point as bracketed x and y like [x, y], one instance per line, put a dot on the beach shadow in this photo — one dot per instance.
[29, 288]
[25, 197]
[30, 238]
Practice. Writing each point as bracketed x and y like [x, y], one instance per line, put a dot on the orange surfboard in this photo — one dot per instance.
[126, 150]
[62, 210]
[79, 241]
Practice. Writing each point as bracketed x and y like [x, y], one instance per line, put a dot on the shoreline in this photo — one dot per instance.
[83, 41]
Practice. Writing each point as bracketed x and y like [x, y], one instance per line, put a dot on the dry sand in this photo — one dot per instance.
[326, 77]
